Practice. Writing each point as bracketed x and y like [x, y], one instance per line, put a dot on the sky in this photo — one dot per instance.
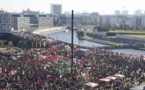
[101, 6]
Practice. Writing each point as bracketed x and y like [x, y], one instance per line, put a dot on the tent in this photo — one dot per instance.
[104, 80]
[90, 85]
[111, 77]
[119, 75]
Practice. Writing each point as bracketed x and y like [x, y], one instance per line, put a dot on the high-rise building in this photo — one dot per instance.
[138, 12]
[5, 21]
[117, 12]
[56, 9]
[125, 12]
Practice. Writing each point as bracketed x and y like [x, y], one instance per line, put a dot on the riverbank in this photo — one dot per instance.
[48, 31]
[101, 41]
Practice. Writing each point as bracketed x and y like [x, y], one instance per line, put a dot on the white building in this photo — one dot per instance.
[95, 17]
[137, 21]
[125, 12]
[138, 12]
[117, 12]
[45, 22]
[19, 22]
[142, 20]
[113, 20]
[5, 21]
[128, 20]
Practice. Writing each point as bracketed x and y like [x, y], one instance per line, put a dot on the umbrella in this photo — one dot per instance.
[111, 77]
[119, 75]
[91, 84]
[105, 80]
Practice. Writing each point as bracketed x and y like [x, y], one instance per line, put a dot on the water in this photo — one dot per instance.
[66, 37]
[129, 51]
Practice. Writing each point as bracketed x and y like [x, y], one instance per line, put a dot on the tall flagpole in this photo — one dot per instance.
[72, 46]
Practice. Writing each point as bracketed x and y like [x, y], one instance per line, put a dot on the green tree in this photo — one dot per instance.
[110, 26]
[80, 33]
[1, 43]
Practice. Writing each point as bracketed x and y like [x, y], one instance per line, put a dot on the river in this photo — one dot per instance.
[130, 51]
[66, 37]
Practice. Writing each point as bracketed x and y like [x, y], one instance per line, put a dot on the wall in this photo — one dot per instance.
[129, 38]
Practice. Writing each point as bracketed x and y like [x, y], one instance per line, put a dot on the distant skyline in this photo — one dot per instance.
[101, 6]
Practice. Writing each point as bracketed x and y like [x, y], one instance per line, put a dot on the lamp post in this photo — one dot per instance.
[72, 46]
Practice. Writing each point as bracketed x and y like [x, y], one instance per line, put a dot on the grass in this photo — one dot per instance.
[126, 31]
[5, 50]
[142, 48]
[137, 36]
[101, 41]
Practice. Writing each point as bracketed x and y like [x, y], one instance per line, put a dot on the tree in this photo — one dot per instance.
[1, 43]
[80, 33]
[103, 28]
[10, 43]
[110, 26]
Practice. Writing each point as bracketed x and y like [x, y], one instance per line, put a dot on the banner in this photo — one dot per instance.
[36, 44]
[40, 44]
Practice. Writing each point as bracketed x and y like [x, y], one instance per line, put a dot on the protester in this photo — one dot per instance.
[49, 67]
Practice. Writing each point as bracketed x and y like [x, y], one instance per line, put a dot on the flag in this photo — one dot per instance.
[44, 44]
[32, 44]
[40, 44]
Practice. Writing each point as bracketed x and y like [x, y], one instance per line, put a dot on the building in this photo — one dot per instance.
[104, 19]
[138, 12]
[113, 20]
[125, 20]
[19, 22]
[67, 12]
[5, 22]
[77, 20]
[56, 9]
[62, 20]
[142, 20]
[95, 17]
[128, 20]
[117, 12]
[29, 12]
[137, 21]
[44, 21]
[125, 12]
[40, 21]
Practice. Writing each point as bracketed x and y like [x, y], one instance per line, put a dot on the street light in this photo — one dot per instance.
[72, 46]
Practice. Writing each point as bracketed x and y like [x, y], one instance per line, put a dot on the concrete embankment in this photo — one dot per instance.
[48, 31]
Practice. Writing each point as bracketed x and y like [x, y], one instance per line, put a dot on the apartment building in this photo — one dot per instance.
[5, 22]
[19, 22]
[44, 21]
[40, 21]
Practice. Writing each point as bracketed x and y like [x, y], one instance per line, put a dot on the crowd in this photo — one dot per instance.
[50, 68]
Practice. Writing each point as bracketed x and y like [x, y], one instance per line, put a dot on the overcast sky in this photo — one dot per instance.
[101, 6]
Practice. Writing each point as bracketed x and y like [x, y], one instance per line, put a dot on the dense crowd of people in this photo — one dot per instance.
[50, 68]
